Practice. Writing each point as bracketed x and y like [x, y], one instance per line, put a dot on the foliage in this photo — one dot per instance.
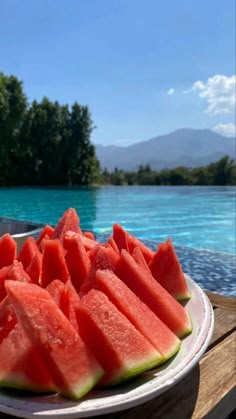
[46, 143]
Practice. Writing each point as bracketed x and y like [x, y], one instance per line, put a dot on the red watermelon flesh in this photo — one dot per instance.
[88, 243]
[47, 233]
[49, 329]
[27, 252]
[138, 313]
[35, 267]
[154, 295]
[8, 318]
[56, 290]
[89, 235]
[15, 272]
[134, 242]
[77, 260]
[119, 347]
[113, 244]
[166, 269]
[102, 259]
[68, 222]
[21, 365]
[8, 250]
[139, 258]
[120, 237]
[53, 263]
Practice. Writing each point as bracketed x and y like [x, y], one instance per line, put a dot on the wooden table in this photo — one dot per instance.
[209, 390]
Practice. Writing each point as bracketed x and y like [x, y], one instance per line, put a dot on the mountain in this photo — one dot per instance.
[183, 147]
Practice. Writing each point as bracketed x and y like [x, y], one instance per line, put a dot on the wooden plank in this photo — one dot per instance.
[225, 322]
[221, 301]
[206, 391]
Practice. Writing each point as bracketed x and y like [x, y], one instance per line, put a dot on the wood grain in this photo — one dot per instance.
[220, 301]
[225, 322]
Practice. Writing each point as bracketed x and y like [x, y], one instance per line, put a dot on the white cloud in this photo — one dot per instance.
[228, 130]
[171, 91]
[219, 92]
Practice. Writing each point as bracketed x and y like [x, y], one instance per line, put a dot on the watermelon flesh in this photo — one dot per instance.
[21, 365]
[8, 249]
[46, 233]
[15, 272]
[53, 263]
[138, 313]
[56, 339]
[119, 347]
[77, 260]
[27, 252]
[166, 269]
[154, 295]
[68, 222]
[8, 318]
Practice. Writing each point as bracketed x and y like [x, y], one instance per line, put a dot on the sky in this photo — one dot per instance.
[144, 67]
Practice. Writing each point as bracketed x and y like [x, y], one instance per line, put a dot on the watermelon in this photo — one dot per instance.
[120, 237]
[142, 283]
[8, 248]
[89, 235]
[21, 365]
[77, 260]
[166, 269]
[138, 313]
[46, 233]
[8, 318]
[15, 272]
[103, 258]
[119, 347]
[35, 267]
[113, 244]
[56, 339]
[56, 290]
[53, 263]
[27, 252]
[68, 222]
[139, 258]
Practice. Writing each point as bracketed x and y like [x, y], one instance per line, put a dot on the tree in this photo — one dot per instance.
[13, 106]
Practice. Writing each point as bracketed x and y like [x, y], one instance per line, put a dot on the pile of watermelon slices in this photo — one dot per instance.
[75, 313]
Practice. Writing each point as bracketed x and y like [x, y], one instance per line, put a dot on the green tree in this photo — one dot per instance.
[13, 106]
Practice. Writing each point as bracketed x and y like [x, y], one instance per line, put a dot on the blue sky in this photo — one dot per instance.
[144, 67]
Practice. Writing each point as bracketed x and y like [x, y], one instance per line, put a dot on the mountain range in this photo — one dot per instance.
[183, 147]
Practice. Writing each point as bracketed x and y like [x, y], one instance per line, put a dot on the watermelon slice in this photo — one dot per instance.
[27, 252]
[138, 313]
[119, 347]
[15, 272]
[8, 318]
[154, 295]
[53, 263]
[35, 267]
[68, 221]
[89, 235]
[166, 269]
[58, 342]
[113, 244]
[7, 250]
[120, 237]
[102, 259]
[139, 258]
[21, 365]
[46, 233]
[56, 290]
[77, 260]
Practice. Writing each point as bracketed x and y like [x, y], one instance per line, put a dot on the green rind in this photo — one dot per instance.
[79, 391]
[188, 330]
[173, 351]
[127, 373]
[182, 297]
[25, 386]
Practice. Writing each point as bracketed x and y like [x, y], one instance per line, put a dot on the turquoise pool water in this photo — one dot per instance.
[202, 217]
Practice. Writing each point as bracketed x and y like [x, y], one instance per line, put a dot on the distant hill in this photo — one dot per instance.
[183, 147]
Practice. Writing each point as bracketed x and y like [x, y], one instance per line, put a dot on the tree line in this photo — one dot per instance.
[45, 143]
[221, 172]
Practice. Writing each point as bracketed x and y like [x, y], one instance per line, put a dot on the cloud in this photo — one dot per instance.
[228, 130]
[171, 91]
[219, 93]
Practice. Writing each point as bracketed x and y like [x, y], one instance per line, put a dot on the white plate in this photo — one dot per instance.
[145, 387]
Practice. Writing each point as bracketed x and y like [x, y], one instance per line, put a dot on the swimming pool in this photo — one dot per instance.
[202, 217]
